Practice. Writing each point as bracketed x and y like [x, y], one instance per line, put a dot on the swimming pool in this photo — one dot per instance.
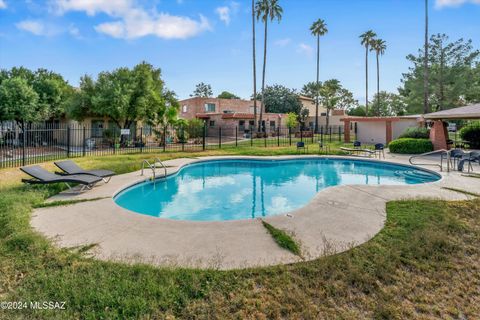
[220, 190]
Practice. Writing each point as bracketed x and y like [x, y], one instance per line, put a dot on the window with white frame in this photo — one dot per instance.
[209, 107]
[184, 108]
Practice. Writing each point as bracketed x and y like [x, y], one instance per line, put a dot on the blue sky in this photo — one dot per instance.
[210, 40]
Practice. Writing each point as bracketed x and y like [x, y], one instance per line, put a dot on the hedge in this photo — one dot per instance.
[471, 133]
[410, 146]
[416, 133]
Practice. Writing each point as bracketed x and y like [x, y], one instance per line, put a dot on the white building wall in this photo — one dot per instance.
[371, 132]
[399, 127]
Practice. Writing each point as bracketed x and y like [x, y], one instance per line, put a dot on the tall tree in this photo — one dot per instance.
[330, 95]
[227, 95]
[388, 104]
[366, 40]
[254, 62]
[426, 106]
[318, 29]
[266, 10]
[280, 99]
[451, 75]
[202, 90]
[379, 46]
[18, 102]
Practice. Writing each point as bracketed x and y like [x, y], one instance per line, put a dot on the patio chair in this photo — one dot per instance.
[455, 156]
[473, 156]
[301, 146]
[42, 176]
[357, 144]
[380, 150]
[70, 167]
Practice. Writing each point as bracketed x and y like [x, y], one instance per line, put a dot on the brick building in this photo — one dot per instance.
[229, 113]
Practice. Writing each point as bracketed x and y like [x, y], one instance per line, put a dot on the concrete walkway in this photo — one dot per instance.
[335, 220]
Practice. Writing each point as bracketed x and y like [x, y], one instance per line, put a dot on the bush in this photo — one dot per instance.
[410, 145]
[471, 133]
[416, 133]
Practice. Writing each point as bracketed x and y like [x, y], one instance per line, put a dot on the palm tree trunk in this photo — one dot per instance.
[254, 69]
[426, 107]
[378, 84]
[318, 79]
[366, 79]
[263, 75]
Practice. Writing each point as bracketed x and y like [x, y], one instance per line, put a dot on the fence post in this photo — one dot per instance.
[340, 133]
[251, 138]
[24, 142]
[84, 142]
[219, 137]
[182, 133]
[330, 134]
[164, 138]
[265, 138]
[278, 136]
[301, 134]
[236, 136]
[141, 139]
[321, 134]
[204, 134]
[68, 141]
[290, 136]
[313, 133]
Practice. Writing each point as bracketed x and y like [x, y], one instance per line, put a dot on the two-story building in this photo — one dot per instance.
[229, 113]
[335, 115]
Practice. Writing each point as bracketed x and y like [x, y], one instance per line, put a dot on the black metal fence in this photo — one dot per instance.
[33, 143]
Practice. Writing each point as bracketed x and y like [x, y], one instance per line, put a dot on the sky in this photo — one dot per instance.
[210, 41]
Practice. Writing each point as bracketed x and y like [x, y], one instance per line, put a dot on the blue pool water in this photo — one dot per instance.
[245, 189]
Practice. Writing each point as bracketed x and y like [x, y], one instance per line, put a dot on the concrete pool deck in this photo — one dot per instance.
[335, 220]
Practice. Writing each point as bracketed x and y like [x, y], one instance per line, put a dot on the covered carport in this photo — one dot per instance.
[438, 131]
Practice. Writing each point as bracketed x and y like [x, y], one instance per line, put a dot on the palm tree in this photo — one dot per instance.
[254, 68]
[318, 29]
[367, 38]
[266, 10]
[426, 107]
[379, 46]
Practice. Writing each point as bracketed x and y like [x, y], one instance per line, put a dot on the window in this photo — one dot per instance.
[323, 114]
[272, 125]
[310, 124]
[209, 107]
[211, 123]
[184, 109]
[251, 122]
[241, 123]
[252, 109]
[97, 128]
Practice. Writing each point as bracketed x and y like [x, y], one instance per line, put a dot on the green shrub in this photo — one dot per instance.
[416, 133]
[471, 133]
[410, 145]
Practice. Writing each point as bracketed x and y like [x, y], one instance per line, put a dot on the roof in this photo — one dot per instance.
[467, 112]
[380, 119]
[238, 115]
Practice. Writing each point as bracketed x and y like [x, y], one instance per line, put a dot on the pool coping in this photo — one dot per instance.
[326, 225]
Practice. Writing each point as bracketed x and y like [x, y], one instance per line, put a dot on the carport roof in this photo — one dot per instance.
[467, 112]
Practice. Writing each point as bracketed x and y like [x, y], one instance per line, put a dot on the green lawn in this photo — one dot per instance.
[424, 263]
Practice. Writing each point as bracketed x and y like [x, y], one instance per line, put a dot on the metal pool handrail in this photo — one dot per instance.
[441, 152]
[153, 166]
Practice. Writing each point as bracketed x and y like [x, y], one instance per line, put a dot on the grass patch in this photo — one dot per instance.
[59, 203]
[423, 264]
[283, 239]
[462, 191]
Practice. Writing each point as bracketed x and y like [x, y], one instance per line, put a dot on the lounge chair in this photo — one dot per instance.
[42, 176]
[70, 167]
[358, 151]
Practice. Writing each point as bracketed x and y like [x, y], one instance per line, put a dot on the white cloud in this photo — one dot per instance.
[37, 28]
[3, 4]
[454, 3]
[224, 14]
[132, 21]
[305, 49]
[283, 42]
